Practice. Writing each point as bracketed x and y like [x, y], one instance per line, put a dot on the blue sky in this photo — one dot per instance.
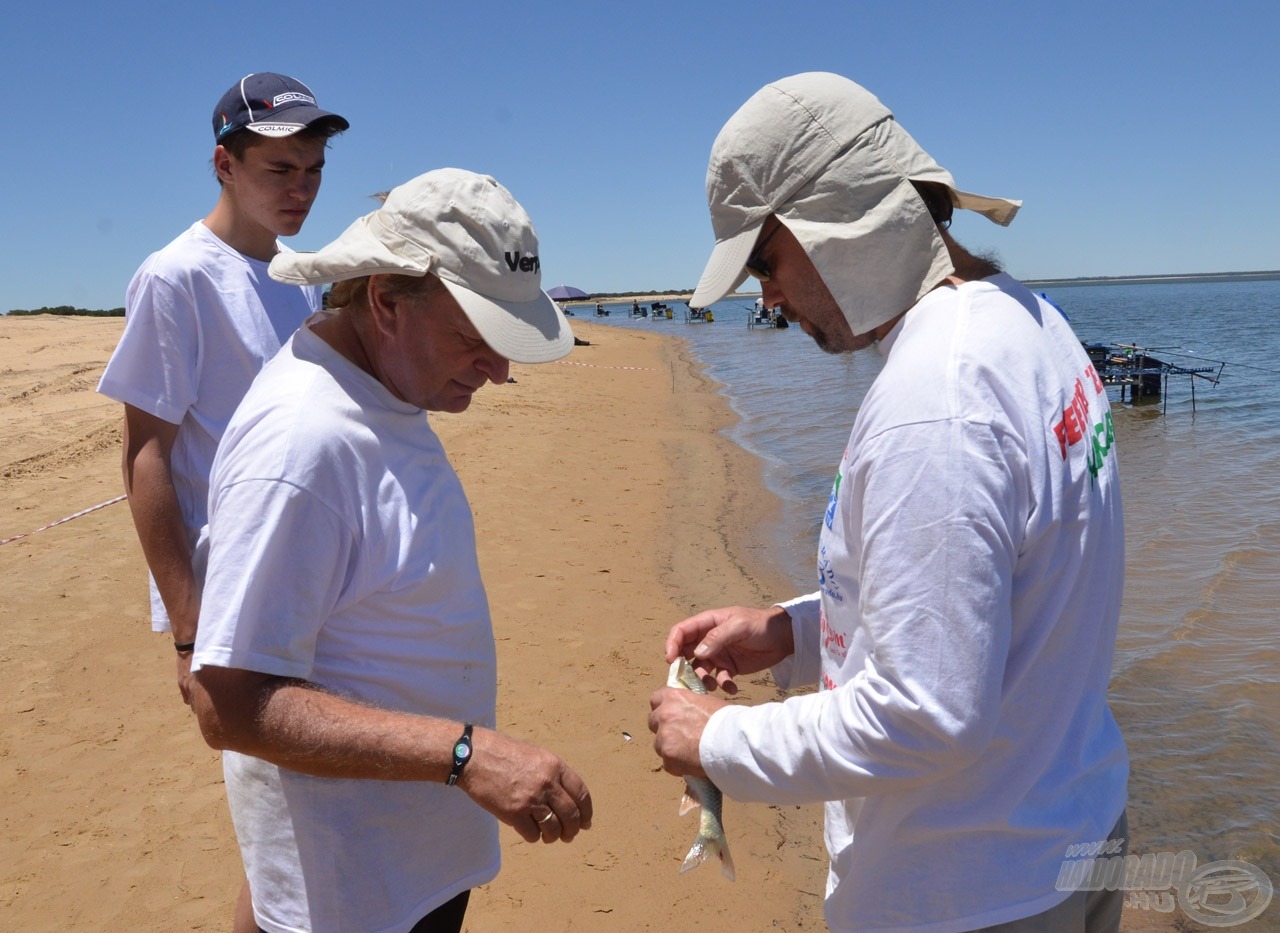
[1144, 137]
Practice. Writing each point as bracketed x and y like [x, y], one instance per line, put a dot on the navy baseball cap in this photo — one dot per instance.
[270, 104]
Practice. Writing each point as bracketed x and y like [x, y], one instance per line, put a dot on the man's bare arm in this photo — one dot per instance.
[153, 501]
[299, 726]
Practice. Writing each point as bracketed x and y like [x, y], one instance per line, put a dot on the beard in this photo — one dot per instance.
[828, 346]
[824, 343]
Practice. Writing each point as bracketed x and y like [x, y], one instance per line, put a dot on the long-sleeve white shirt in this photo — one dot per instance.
[970, 567]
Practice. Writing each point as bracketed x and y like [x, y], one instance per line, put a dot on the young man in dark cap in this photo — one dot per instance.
[345, 661]
[970, 561]
[202, 317]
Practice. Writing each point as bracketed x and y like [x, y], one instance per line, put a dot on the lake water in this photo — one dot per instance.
[1196, 684]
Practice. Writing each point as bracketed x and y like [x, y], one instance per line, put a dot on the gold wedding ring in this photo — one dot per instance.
[547, 817]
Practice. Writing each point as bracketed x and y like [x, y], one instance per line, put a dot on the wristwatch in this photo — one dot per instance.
[461, 755]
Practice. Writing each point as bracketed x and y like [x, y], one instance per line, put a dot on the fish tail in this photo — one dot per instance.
[706, 847]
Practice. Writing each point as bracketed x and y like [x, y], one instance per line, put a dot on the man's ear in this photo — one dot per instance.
[223, 164]
[382, 307]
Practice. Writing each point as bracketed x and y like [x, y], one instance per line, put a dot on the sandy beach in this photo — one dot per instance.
[608, 506]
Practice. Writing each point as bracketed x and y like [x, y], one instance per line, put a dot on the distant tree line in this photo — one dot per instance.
[668, 291]
[68, 310]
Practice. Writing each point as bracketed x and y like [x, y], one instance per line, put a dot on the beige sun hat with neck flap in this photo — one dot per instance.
[468, 231]
[829, 159]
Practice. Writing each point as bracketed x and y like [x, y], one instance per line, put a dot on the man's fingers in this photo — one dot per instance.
[549, 826]
[583, 798]
[724, 678]
[711, 645]
[684, 635]
[565, 804]
[565, 811]
[715, 675]
[528, 828]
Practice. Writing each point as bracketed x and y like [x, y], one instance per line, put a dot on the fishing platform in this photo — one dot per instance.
[1141, 376]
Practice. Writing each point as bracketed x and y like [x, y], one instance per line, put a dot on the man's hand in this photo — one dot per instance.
[724, 643]
[303, 727]
[184, 675]
[677, 720]
[527, 787]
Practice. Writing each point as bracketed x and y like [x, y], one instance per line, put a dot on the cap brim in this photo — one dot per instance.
[522, 331]
[357, 252]
[296, 119]
[725, 269]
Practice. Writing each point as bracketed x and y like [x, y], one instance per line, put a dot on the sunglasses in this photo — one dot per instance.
[755, 265]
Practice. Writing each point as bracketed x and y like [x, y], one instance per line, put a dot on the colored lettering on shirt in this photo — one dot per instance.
[833, 642]
[1103, 437]
[1077, 426]
[1070, 430]
[1094, 378]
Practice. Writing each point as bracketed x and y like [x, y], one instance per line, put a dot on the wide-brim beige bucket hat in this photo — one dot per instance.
[467, 230]
[828, 158]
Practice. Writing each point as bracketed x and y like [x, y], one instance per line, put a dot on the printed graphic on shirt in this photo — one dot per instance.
[831, 502]
[833, 641]
[827, 576]
[1078, 425]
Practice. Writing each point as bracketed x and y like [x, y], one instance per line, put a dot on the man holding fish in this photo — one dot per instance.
[970, 562]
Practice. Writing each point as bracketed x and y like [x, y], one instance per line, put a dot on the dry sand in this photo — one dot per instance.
[608, 505]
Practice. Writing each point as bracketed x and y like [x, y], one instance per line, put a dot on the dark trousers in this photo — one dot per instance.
[447, 918]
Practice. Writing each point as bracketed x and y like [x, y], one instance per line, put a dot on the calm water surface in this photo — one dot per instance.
[1196, 684]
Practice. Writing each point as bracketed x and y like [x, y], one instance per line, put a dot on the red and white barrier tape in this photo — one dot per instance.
[100, 505]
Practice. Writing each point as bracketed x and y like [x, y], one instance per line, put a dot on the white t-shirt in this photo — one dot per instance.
[342, 552]
[201, 319]
[970, 567]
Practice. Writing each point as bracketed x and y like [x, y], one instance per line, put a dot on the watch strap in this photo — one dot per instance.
[461, 755]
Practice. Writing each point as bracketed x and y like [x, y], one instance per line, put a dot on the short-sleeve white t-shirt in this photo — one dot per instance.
[201, 320]
[342, 552]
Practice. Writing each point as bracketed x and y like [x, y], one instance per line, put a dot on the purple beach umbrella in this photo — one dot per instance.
[566, 293]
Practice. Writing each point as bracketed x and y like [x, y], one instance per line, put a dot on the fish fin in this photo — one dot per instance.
[687, 803]
[726, 863]
[698, 853]
[705, 847]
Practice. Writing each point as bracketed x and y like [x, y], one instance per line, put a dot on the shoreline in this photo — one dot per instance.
[609, 488]
[647, 299]
[609, 503]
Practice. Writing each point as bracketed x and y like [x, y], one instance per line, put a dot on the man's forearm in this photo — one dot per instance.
[157, 517]
[305, 728]
[296, 725]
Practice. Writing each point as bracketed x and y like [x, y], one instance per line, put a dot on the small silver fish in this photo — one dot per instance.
[699, 792]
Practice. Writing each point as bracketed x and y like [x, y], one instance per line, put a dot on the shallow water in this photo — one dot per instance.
[1196, 683]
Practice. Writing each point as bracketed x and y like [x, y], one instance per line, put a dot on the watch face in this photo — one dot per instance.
[461, 750]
